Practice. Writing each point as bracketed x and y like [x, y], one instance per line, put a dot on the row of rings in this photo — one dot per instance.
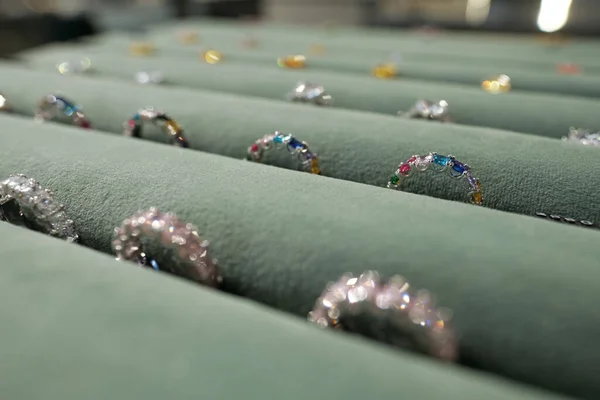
[413, 319]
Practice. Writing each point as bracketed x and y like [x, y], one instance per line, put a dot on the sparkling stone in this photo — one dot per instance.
[254, 148]
[404, 169]
[394, 179]
[459, 167]
[357, 294]
[441, 160]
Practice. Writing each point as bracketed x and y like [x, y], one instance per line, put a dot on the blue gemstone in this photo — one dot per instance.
[278, 139]
[441, 160]
[137, 117]
[154, 265]
[459, 167]
[295, 143]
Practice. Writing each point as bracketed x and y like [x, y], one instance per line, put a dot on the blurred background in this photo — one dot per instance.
[28, 23]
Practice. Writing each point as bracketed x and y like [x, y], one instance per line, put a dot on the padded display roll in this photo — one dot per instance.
[519, 173]
[281, 236]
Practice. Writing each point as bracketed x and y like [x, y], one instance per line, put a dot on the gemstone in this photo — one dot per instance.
[314, 166]
[459, 167]
[254, 148]
[292, 61]
[278, 139]
[295, 143]
[412, 159]
[441, 160]
[404, 169]
[385, 71]
[394, 179]
[477, 198]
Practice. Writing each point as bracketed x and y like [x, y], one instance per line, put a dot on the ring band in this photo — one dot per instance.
[50, 105]
[151, 228]
[306, 92]
[35, 206]
[431, 110]
[133, 127]
[308, 160]
[387, 311]
[439, 163]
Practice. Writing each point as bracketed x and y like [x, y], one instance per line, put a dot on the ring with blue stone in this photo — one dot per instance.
[430, 110]
[306, 92]
[133, 126]
[388, 311]
[51, 107]
[438, 163]
[309, 161]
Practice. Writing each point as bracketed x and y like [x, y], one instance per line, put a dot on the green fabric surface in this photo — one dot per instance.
[519, 173]
[82, 326]
[519, 111]
[520, 287]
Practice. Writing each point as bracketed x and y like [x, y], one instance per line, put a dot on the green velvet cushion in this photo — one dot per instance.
[520, 287]
[76, 324]
[519, 111]
[519, 173]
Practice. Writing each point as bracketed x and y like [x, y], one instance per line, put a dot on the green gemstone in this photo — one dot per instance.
[394, 179]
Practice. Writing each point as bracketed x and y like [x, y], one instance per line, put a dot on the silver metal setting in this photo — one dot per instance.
[570, 221]
[387, 311]
[165, 233]
[36, 207]
[306, 92]
[431, 110]
[582, 136]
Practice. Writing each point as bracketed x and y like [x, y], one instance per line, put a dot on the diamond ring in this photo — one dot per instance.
[306, 92]
[166, 235]
[49, 106]
[432, 110]
[387, 311]
[149, 77]
[438, 163]
[133, 127]
[307, 159]
[582, 136]
[24, 201]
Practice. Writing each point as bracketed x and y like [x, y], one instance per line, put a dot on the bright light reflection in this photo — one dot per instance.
[477, 11]
[553, 15]
[2, 101]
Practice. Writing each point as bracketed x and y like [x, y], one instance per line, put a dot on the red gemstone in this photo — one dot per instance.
[404, 169]
[412, 159]
[85, 124]
[254, 148]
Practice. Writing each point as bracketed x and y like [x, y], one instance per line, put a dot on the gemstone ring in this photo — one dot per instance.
[308, 160]
[438, 163]
[388, 311]
[74, 67]
[431, 110]
[167, 235]
[133, 127]
[24, 201]
[306, 92]
[50, 106]
[582, 136]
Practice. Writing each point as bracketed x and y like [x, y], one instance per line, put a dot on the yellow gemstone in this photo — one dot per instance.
[293, 61]
[188, 37]
[212, 56]
[497, 85]
[172, 127]
[477, 198]
[142, 49]
[316, 49]
[385, 71]
[314, 167]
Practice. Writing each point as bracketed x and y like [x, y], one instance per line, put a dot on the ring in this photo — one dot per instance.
[142, 49]
[439, 163]
[133, 127]
[497, 85]
[74, 67]
[572, 221]
[23, 200]
[306, 92]
[294, 61]
[150, 77]
[4, 104]
[387, 311]
[308, 160]
[425, 109]
[51, 104]
[212, 56]
[582, 136]
[165, 232]
[387, 70]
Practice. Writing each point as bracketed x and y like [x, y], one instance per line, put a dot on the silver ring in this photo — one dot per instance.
[24, 200]
[133, 126]
[309, 161]
[582, 136]
[387, 311]
[149, 77]
[432, 110]
[50, 106]
[74, 67]
[165, 232]
[306, 92]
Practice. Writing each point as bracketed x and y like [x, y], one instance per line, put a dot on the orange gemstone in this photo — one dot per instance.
[497, 85]
[477, 198]
[293, 61]
[385, 71]
[212, 56]
[314, 167]
[172, 127]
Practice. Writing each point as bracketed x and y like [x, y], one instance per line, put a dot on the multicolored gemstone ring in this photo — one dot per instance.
[178, 247]
[308, 160]
[306, 92]
[440, 163]
[583, 137]
[49, 106]
[387, 311]
[133, 127]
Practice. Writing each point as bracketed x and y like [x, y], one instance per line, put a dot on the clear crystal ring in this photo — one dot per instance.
[74, 67]
[306, 92]
[307, 159]
[178, 248]
[387, 311]
[439, 163]
[582, 136]
[24, 201]
[133, 127]
[149, 77]
[51, 106]
[431, 110]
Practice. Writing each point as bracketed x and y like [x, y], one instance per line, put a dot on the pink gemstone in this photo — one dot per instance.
[404, 169]
[412, 159]
[254, 148]
[85, 124]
